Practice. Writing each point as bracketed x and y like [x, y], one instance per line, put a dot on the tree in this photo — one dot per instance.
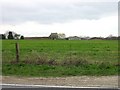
[10, 36]
[61, 36]
[3, 36]
[22, 37]
[17, 36]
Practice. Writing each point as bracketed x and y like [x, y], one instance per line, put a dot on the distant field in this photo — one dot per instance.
[81, 57]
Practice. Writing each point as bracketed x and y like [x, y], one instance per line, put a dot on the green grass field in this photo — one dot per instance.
[60, 57]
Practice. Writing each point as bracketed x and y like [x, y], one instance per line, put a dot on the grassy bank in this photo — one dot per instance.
[61, 57]
[55, 71]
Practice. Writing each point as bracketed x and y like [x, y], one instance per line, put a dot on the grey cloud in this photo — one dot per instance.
[52, 13]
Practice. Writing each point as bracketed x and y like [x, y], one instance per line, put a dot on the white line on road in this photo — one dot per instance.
[49, 86]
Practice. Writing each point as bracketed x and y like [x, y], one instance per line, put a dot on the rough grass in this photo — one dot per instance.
[55, 71]
[61, 57]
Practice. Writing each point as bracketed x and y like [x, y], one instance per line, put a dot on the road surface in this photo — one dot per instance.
[60, 83]
[44, 87]
[76, 81]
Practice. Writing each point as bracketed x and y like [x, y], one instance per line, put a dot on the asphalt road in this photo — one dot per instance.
[22, 87]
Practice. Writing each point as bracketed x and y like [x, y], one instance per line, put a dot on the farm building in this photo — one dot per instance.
[74, 38]
[57, 36]
[53, 36]
[96, 38]
[85, 38]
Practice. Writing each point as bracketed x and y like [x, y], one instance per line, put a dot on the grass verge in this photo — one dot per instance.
[58, 71]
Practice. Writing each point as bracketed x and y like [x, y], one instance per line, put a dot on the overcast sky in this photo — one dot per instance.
[72, 17]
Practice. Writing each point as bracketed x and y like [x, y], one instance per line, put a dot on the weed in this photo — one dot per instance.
[52, 62]
[74, 61]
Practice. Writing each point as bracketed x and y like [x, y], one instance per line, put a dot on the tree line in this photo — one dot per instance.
[11, 36]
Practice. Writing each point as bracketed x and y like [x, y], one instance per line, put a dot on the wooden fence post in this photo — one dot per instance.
[17, 52]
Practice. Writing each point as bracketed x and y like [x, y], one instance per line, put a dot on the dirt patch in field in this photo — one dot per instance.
[79, 81]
